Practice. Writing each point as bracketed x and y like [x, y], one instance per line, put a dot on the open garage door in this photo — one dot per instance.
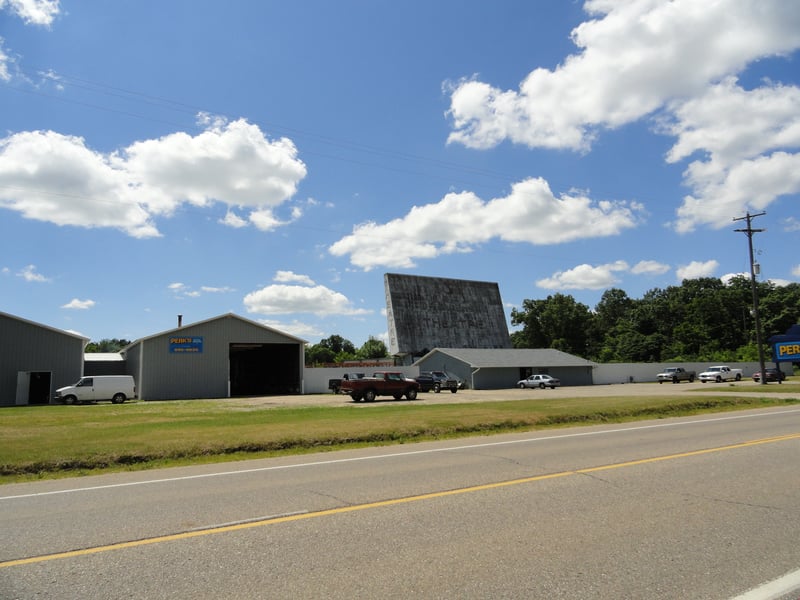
[264, 369]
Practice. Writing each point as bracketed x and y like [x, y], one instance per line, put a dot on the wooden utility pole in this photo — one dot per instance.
[750, 231]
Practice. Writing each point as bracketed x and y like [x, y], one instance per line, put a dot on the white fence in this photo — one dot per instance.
[644, 372]
[316, 379]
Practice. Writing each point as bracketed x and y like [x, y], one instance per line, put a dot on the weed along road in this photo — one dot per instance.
[695, 507]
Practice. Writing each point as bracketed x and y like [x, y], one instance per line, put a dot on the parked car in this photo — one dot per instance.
[437, 381]
[336, 384]
[539, 381]
[770, 375]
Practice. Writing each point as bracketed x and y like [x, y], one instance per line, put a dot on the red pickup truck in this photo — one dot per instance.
[382, 383]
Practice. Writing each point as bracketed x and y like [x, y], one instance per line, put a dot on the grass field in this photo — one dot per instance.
[55, 441]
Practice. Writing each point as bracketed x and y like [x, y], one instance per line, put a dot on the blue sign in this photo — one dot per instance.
[186, 345]
[786, 351]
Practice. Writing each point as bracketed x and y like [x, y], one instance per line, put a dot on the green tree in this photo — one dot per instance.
[107, 345]
[372, 349]
[557, 322]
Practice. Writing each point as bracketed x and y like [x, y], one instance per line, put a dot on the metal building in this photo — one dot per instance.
[36, 360]
[218, 358]
[435, 312]
[491, 369]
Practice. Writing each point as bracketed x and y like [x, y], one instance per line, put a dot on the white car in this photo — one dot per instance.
[539, 381]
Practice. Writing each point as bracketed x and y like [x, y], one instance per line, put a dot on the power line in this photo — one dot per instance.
[750, 231]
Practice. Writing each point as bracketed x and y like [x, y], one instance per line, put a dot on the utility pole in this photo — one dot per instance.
[750, 231]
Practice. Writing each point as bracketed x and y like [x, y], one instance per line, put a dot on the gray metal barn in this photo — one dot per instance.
[218, 358]
[495, 368]
[36, 360]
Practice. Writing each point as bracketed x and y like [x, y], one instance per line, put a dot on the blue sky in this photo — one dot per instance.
[275, 159]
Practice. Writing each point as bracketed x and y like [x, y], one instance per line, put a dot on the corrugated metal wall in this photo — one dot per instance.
[29, 347]
[164, 375]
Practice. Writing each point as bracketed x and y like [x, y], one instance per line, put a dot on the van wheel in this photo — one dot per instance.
[69, 399]
[118, 398]
[437, 388]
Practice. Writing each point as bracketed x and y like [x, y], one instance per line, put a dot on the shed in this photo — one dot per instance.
[498, 368]
[217, 358]
[103, 363]
[36, 360]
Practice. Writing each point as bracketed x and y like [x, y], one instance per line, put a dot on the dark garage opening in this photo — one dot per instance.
[39, 388]
[264, 369]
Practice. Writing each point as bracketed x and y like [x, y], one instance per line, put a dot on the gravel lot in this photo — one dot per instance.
[622, 389]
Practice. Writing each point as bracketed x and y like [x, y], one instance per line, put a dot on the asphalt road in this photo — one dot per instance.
[700, 507]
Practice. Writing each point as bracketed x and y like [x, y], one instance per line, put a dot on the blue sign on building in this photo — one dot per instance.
[186, 345]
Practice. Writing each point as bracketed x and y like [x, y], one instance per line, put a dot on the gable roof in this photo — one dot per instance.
[212, 319]
[515, 357]
[53, 329]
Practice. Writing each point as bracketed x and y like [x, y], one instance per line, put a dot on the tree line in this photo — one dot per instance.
[336, 349]
[700, 320]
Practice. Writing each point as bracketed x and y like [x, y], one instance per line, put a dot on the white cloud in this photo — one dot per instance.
[231, 219]
[649, 267]
[216, 290]
[747, 140]
[29, 274]
[290, 277]
[726, 279]
[77, 304]
[697, 269]
[585, 277]
[796, 271]
[280, 299]
[296, 328]
[4, 74]
[791, 224]
[51, 177]
[531, 213]
[33, 12]
[633, 57]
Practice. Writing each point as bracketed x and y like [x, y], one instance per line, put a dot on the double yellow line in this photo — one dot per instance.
[380, 504]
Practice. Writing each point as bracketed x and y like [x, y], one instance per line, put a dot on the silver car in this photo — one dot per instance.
[539, 381]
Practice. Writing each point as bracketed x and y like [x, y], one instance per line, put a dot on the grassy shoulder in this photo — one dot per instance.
[57, 441]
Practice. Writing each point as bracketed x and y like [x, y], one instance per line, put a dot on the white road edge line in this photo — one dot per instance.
[773, 590]
[395, 455]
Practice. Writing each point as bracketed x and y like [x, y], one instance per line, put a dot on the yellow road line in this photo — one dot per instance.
[381, 503]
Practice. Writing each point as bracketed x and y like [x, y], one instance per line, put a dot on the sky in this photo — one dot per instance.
[275, 159]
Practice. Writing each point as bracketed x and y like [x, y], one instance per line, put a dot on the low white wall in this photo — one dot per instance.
[644, 372]
[315, 379]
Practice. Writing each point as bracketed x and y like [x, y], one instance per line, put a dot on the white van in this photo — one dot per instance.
[116, 388]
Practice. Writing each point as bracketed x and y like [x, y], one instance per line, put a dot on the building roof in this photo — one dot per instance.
[225, 316]
[53, 329]
[102, 357]
[516, 357]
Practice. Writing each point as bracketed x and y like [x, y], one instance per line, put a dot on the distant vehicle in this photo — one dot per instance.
[436, 381]
[382, 383]
[336, 384]
[675, 374]
[770, 375]
[720, 373]
[116, 388]
[539, 381]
